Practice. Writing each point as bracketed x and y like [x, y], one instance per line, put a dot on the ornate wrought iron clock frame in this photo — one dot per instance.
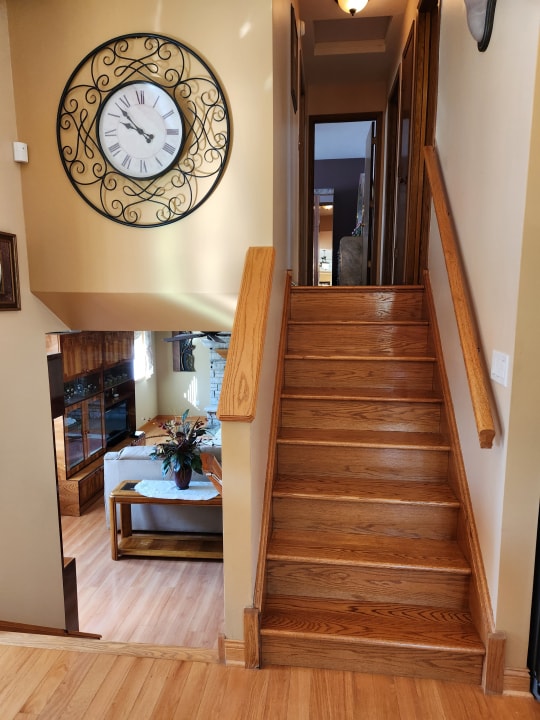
[160, 197]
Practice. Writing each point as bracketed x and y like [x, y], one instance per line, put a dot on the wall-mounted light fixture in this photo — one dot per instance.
[480, 15]
[351, 7]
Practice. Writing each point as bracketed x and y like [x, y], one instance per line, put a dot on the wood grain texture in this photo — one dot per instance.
[467, 536]
[389, 339]
[142, 600]
[376, 304]
[364, 521]
[37, 683]
[271, 469]
[475, 364]
[359, 372]
[239, 391]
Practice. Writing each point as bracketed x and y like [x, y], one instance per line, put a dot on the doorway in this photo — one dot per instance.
[147, 600]
[342, 243]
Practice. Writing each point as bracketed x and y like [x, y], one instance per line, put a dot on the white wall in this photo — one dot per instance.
[483, 138]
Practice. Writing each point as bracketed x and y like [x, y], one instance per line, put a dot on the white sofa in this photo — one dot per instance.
[134, 463]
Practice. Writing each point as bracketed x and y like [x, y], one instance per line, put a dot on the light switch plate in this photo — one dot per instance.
[500, 364]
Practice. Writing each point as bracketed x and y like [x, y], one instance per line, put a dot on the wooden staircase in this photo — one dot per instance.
[362, 568]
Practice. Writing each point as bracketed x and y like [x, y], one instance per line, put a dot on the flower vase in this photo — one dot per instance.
[182, 478]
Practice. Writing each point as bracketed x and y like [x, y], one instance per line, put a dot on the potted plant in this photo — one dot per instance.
[180, 454]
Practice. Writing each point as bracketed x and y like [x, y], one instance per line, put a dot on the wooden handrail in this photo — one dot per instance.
[475, 364]
[239, 391]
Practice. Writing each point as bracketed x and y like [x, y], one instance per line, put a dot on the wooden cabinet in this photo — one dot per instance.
[117, 347]
[84, 437]
[81, 353]
[99, 411]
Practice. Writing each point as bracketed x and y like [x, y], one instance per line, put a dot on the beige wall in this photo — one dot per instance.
[179, 391]
[100, 275]
[30, 565]
[484, 140]
[97, 273]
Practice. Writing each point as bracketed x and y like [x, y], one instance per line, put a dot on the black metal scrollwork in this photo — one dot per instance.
[182, 188]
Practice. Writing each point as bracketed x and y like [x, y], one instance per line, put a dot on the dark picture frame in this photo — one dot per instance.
[294, 60]
[10, 298]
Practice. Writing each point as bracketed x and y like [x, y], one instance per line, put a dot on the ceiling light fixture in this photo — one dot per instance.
[351, 7]
[480, 15]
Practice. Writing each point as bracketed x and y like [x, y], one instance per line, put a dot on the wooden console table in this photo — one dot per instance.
[180, 545]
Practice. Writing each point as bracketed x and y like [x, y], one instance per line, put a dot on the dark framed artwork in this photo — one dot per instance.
[10, 298]
[294, 60]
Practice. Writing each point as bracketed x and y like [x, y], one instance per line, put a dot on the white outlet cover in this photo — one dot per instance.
[500, 364]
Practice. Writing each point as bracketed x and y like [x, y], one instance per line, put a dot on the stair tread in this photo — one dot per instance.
[350, 489]
[387, 356]
[359, 322]
[371, 622]
[367, 393]
[366, 289]
[364, 438]
[367, 550]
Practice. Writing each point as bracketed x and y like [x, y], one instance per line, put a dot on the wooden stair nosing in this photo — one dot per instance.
[382, 358]
[359, 323]
[369, 394]
[336, 289]
[367, 550]
[391, 624]
[371, 491]
[389, 439]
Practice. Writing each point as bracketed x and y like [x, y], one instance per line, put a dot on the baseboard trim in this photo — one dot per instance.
[231, 652]
[517, 681]
[77, 644]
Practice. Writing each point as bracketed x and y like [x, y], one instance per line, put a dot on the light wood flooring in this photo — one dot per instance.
[42, 683]
[143, 600]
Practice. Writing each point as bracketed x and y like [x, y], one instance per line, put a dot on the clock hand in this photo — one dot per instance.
[131, 126]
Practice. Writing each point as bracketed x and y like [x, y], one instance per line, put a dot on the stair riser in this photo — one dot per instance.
[386, 373]
[366, 583]
[352, 305]
[371, 658]
[362, 462]
[360, 415]
[408, 340]
[379, 518]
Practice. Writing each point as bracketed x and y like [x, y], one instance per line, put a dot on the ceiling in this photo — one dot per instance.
[339, 49]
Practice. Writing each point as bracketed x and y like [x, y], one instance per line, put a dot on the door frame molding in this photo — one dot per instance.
[307, 244]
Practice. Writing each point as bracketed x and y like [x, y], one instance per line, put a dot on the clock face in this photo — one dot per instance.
[143, 130]
[140, 130]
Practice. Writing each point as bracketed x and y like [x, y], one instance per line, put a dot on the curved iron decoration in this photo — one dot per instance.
[177, 192]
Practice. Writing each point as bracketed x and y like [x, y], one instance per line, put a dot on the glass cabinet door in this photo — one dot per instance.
[94, 426]
[73, 436]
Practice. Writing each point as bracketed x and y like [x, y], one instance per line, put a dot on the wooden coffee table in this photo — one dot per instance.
[179, 545]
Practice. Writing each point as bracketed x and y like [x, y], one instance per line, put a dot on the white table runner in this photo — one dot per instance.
[167, 490]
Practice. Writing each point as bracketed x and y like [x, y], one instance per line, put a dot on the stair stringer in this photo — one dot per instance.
[252, 614]
[479, 599]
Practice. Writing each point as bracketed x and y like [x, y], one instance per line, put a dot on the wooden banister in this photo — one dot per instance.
[475, 364]
[239, 391]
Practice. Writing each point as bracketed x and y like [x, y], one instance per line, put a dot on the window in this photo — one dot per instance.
[143, 363]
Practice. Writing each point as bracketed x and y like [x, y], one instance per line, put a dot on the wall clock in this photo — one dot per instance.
[143, 130]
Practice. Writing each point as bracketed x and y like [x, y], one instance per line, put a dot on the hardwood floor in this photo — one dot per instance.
[144, 600]
[40, 683]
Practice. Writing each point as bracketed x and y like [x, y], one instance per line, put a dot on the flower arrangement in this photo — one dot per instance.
[180, 451]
